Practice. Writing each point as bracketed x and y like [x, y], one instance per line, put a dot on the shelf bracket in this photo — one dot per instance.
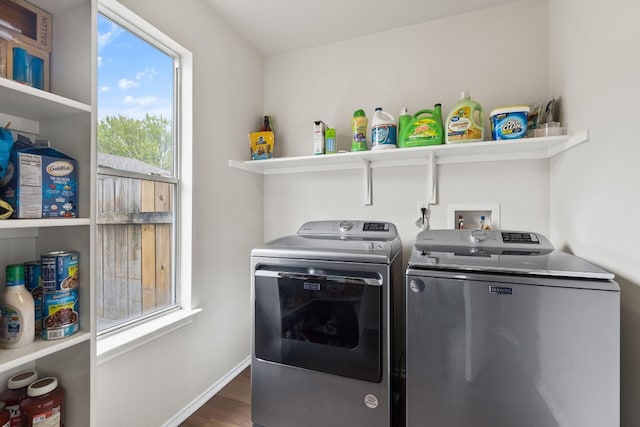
[368, 193]
[432, 180]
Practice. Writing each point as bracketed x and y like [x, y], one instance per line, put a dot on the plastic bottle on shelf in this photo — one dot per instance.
[359, 130]
[383, 130]
[465, 122]
[460, 224]
[403, 121]
[485, 223]
[17, 311]
[330, 141]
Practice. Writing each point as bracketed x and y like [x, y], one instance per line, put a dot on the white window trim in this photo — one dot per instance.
[120, 342]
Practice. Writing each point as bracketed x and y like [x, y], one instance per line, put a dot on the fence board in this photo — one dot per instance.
[148, 248]
[98, 257]
[163, 246]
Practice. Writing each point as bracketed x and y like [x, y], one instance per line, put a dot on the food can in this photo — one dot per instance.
[60, 311]
[33, 282]
[59, 271]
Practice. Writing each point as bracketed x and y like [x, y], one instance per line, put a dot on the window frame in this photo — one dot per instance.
[110, 344]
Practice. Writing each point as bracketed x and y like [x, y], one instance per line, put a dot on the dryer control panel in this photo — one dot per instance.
[349, 228]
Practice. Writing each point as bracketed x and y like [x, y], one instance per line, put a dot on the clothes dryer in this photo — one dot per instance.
[322, 336]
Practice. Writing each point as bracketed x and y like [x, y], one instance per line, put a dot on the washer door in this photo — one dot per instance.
[329, 322]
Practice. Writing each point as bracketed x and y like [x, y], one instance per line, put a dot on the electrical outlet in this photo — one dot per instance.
[422, 204]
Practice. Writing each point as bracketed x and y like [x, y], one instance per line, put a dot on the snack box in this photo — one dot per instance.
[41, 182]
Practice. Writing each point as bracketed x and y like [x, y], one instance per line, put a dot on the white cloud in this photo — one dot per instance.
[109, 36]
[147, 74]
[105, 89]
[126, 84]
[99, 61]
[140, 101]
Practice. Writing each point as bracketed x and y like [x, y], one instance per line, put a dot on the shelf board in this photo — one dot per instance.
[13, 358]
[35, 104]
[521, 149]
[43, 222]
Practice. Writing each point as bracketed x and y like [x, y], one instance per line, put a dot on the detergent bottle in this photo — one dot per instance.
[383, 130]
[465, 123]
[424, 128]
[403, 120]
[359, 129]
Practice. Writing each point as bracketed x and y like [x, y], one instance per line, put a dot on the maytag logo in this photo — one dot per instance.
[500, 290]
[59, 168]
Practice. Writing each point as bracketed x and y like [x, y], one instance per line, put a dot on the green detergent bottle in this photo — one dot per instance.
[424, 128]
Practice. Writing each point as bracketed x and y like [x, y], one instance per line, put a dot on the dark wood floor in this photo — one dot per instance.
[231, 407]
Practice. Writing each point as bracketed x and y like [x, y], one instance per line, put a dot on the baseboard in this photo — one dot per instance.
[192, 407]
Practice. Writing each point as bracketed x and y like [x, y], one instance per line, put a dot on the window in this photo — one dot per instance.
[143, 138]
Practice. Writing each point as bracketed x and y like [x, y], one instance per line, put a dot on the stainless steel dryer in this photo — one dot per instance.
[503, 330]
[323, 299]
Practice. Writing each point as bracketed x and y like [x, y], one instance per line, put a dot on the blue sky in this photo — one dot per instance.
[134, 78]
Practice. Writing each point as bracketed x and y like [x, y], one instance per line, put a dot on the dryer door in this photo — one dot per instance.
[329, 322]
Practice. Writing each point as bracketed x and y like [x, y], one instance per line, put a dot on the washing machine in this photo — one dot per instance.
[322, 337]
[505, 330]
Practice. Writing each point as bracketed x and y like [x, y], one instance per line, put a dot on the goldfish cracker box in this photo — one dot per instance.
[261, 145]
[43, 183]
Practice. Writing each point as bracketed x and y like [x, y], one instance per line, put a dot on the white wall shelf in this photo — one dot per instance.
[12, 358]
[35, 104]
[44, 222]
[521, 149]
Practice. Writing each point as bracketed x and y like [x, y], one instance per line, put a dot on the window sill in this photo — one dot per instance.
[117, 344]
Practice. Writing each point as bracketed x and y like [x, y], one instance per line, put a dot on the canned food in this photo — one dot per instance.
[59, 271]
[60, 311]
[33, 283]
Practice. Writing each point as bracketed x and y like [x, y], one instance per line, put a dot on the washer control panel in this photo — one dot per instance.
[349, 228]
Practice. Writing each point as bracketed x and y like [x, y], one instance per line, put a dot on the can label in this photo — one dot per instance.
[33, 283]
[59, 271]
[60, 311]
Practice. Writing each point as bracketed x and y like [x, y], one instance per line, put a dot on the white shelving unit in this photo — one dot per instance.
[431, 156]
[66, 117]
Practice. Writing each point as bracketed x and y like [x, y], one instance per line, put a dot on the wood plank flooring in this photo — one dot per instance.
[230, 407]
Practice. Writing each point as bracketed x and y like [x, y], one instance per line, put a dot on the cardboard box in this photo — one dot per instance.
[41, 183]
[35, 24]
[39, 81]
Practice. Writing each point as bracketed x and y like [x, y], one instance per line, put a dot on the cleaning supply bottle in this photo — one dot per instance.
[424, 128]
[383, 130]
[465, 123]
[359, 128]
[403, 121]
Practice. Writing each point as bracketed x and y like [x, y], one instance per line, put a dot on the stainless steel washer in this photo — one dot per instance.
[322, 340]
[503, 330]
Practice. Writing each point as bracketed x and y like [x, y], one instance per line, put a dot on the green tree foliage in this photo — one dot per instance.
[148, 140]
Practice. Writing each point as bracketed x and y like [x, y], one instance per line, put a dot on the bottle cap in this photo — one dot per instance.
[42, 386]
[378, 108]
[15, 275]
[359, 113]
[465, 94]
[22, 379]
[404, 111]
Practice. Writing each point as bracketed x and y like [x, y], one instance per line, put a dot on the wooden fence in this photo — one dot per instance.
[133, 248]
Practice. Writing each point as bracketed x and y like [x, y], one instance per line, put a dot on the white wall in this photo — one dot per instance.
[595, 65]
[499, 54]
[151, 384]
